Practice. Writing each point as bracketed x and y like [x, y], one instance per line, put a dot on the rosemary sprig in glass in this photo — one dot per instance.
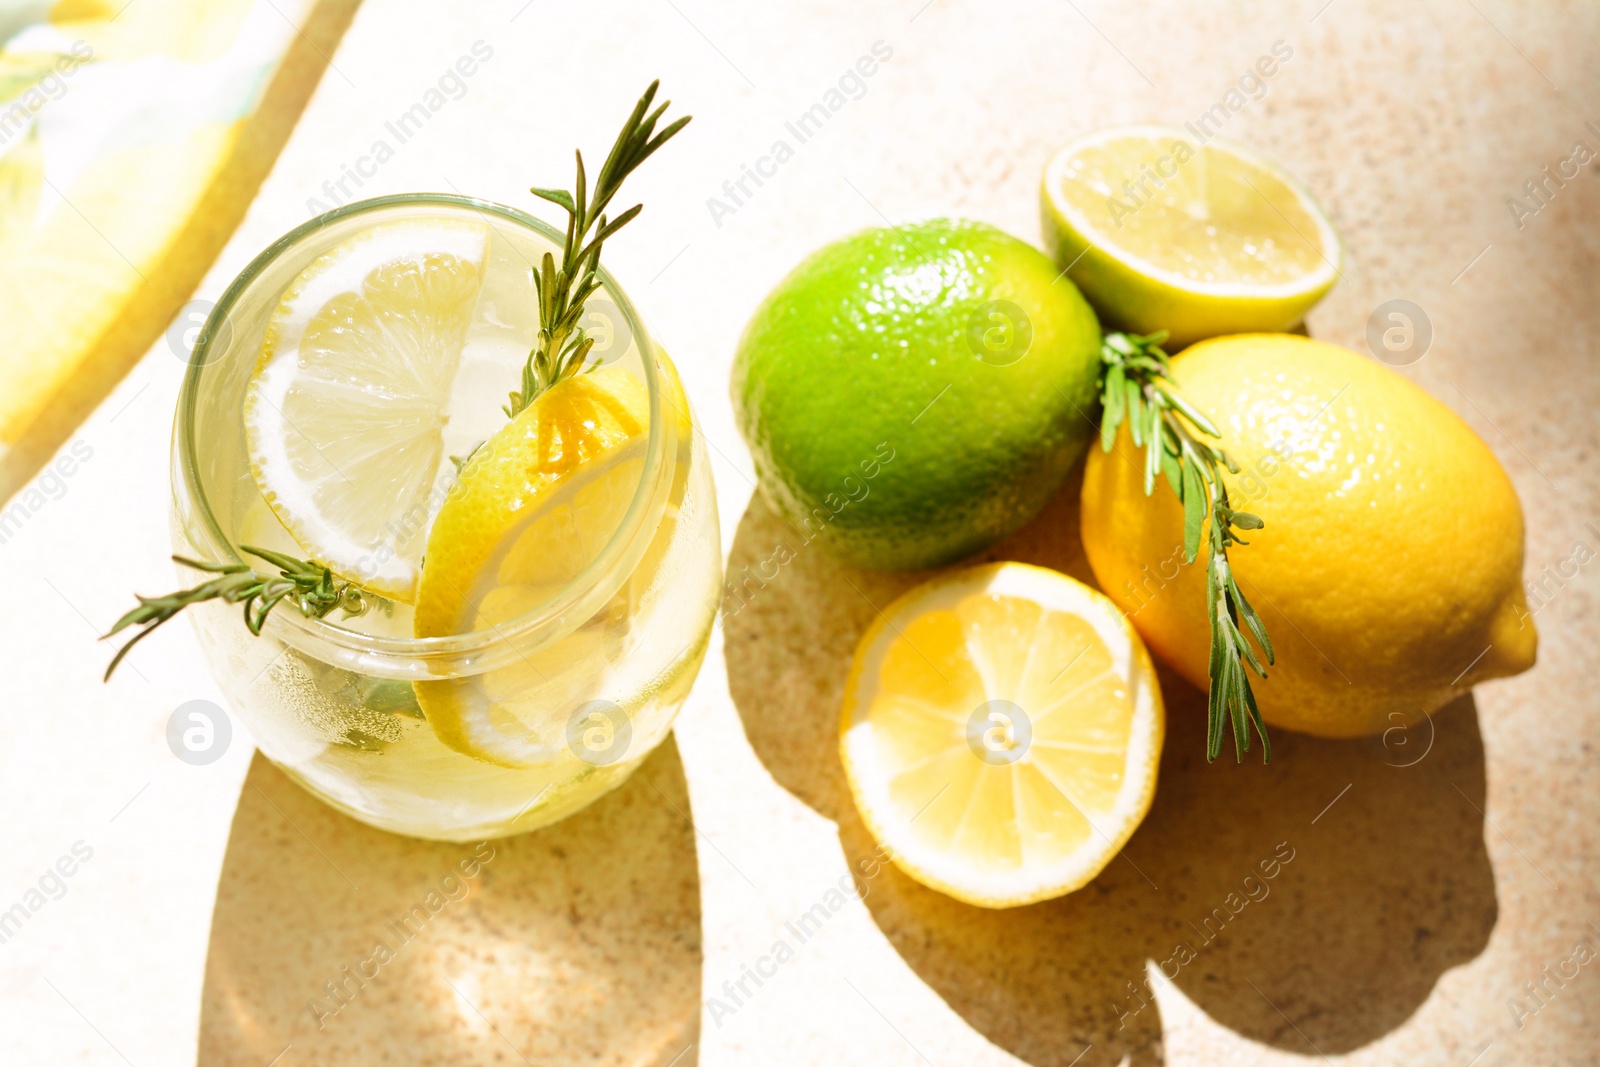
[1137, 387]
[562, 349]
[308, 586]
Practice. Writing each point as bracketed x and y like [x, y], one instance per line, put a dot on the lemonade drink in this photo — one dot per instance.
[552, 665]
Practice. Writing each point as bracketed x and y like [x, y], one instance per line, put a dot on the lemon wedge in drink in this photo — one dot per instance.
[1001, 731]
[534, 508]
[1164, 232]
[344, 416]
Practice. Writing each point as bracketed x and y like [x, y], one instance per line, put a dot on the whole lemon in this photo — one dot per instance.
[912, 395]
[1389, 570]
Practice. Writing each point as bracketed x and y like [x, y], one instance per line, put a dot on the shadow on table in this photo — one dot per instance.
[577, 944]
[1370, 900]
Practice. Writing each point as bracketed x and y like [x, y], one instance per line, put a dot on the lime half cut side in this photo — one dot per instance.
[1164, 231]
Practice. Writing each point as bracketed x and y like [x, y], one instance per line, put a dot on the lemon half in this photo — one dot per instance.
[1001, 731]
[344, 417]
[1164, 232]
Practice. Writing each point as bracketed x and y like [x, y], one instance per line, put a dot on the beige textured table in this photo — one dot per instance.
[1419, 900]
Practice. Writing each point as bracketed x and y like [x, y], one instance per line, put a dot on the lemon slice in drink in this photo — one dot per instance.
[1001, 731]
[535, 506]
[1163, 232]
[344, 417]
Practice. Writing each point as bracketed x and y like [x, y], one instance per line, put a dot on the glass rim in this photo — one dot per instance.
[531, 628]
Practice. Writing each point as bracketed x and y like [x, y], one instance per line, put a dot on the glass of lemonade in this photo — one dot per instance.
[553, 688]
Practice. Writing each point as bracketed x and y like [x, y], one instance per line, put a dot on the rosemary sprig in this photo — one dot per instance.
[563, 346]
[308, 586]
[1137, 387]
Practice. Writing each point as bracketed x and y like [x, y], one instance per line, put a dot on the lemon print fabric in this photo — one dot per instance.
[118, 124]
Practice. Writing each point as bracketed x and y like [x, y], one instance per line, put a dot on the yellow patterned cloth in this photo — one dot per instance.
[127, 154]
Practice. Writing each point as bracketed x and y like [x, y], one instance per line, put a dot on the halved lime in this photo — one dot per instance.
[1163, 231]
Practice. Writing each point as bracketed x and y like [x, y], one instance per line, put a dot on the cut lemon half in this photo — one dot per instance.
[534, 508]
[1164, 231]
[344, 417]
[1001, 731]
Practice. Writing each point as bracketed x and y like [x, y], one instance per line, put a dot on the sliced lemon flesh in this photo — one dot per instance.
[1001, 731]
[345, 414]
[1165, 231]
[534, 508]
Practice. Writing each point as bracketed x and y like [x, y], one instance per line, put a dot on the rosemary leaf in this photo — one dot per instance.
[310, 586]
[562, 348]
[1194, 511]
[1137, 387]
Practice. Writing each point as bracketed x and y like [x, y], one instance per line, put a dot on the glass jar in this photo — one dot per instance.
[334, 701]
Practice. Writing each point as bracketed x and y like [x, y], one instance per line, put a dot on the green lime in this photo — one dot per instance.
[912, 395]
[1199, 240]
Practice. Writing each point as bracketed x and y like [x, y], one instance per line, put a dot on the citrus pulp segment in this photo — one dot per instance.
[345, 413]
[534, 508]
[1000, 733]
[1165, 232]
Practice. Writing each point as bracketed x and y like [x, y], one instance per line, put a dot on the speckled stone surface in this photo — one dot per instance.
[335, 943]
[1349, 920]
[1420, 901]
